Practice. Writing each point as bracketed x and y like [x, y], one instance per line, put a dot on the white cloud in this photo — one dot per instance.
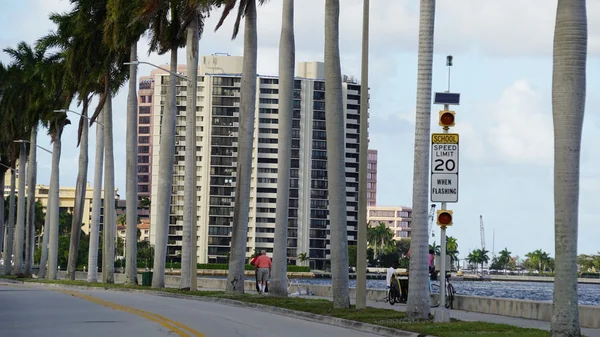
[522, 130]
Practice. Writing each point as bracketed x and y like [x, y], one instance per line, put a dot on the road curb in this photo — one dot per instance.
[13, 281]
[334, 321]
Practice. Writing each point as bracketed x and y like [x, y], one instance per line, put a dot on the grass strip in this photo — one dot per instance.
[384, 317]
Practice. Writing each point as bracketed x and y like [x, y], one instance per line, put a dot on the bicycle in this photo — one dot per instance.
[394, 293]
[434, 288]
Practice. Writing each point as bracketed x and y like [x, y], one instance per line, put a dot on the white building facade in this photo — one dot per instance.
[216, 146]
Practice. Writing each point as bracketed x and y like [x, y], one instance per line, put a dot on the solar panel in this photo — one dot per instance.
[446, 98]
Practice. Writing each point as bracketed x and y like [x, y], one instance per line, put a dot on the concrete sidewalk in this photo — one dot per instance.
[474, 316]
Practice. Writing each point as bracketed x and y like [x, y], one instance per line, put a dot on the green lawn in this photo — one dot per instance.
[384, 317]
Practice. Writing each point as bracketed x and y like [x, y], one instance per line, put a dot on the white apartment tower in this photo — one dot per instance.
[216, 145]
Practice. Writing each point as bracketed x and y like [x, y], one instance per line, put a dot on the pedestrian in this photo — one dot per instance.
[263, 270]
[253, 263]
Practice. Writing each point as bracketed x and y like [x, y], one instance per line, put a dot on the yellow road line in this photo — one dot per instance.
[182, 330]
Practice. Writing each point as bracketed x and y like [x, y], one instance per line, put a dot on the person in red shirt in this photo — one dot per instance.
[263, 270]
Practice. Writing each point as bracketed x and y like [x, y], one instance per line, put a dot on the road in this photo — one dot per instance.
[28, 310]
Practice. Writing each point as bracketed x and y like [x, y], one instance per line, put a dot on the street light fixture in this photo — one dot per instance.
[26, 141]
[77, 113]
[136, 62]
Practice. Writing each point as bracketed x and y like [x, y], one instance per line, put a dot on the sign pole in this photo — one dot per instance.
[443, 248]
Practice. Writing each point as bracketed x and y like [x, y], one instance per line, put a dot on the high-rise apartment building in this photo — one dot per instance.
[216, 145]
[372, 178]
[144, 138]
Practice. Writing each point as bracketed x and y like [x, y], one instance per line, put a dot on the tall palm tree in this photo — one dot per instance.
[31, 209]
[247, 9]
[164, 19]
[121, 33]
[92, 275]
[10, 229]
[194, 13]
[418, 293]
[20, 227]
[334, 113]
[361, 232]
[287, 56]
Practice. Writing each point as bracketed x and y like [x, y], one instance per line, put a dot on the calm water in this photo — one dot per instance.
[589, 294]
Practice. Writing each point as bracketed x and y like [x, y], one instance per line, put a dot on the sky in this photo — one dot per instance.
[502, 68]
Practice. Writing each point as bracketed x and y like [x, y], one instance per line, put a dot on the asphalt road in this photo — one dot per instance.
[32, 311]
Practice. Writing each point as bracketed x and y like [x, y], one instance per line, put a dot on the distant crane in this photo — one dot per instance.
[482, 232]
[431, 217]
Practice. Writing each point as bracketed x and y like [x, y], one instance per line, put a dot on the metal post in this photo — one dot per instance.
[443, 251]
[361, 251]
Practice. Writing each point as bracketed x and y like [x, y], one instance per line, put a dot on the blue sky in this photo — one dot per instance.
[502, 68]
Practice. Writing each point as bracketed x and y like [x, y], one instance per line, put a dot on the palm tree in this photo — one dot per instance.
[20, 228]
[287, 56]
[247, 9]
[361, 258]
[379, 237]
[8, 245]
[334, 113]
[303, 257]
[504, 258]
[568, 106]
[452, 249]
[96, 200]
[164, 19]
[194, 13]
[31, 207]
[120, 33]
[418, 293]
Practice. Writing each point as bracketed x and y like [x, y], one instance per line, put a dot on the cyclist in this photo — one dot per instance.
[390, 271]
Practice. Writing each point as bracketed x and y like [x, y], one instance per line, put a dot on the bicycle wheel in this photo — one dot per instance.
[450, 296]
[391, 298]
[434, 290]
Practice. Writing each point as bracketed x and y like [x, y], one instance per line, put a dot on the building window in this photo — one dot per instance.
[144, 140]
[144, 130]
[143, 149]
[144, 120]
[144, 110]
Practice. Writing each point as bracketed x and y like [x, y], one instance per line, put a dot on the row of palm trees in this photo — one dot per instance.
[83, 57]
[95, 38]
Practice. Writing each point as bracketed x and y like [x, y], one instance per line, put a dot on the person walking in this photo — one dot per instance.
[263, 270]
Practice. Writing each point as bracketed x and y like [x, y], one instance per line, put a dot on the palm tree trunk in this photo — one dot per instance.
[361, 251]
[2, 227]
[334, 113]
[54, 211]
[131, 172]
[108, 228]
[235, 279]
[80, 190]
[190, 200]
[166, 160]
[96, 202]
[10, 230]
[418, 294]
[31, 181]
[287, 56]
[20, 228]
[568, 106]
[45, 239]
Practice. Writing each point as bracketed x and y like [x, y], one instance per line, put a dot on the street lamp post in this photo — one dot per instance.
[78, 114]
[190, 183]
[136, 62]
[26, 141]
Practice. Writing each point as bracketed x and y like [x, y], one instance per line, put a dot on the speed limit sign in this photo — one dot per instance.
[444, 167]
